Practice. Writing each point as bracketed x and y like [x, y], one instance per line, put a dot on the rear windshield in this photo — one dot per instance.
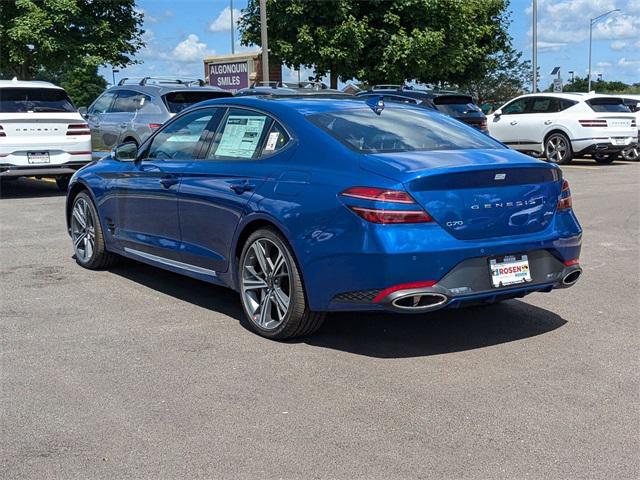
[456, 105]
[178, 101]
[608, 105]
[400, 129]
[35, 100]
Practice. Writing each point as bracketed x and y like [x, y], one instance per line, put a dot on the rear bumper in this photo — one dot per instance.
[68, 168]
[597, 145]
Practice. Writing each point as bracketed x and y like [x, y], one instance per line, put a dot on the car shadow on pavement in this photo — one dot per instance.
[388, 335]
[382, 335]
[29, 188]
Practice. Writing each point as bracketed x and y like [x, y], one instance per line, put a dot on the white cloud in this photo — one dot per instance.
[618, 45]
[604, 64]
[628, 63]
[223, 22]
[152, 19]
[542, 45]
[191, 49]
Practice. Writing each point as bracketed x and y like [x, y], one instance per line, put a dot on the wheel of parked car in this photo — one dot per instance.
[631, 153]
[87, 235]
[557, 148]
[605, 158]
[271, 289]
[63, 183]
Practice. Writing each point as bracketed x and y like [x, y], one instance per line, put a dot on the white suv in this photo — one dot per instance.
[41, 132]
[564, 125]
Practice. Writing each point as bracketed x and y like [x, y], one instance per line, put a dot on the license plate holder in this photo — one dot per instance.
[509, 270]
[36, 158]
[619, 140]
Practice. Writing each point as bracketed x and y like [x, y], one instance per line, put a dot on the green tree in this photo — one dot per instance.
[83, 83]
[506, 76]
[580, 84]
[43, 35]
[383, 41]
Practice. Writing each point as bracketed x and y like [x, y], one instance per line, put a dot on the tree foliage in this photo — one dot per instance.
[506, 76]
[83, 83]
[383, 41]
[580, 84]
[37, 35]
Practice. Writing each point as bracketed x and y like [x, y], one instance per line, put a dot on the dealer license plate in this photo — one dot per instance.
[38, 157]
[619, 140]
[509, 270]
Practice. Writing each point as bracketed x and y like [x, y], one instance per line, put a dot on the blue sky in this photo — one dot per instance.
[180, 33]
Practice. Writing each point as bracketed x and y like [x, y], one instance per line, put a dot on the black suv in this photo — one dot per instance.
[456, 105]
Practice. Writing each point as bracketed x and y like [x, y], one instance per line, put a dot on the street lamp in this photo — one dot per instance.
[592, 21]
[264, 41]
[572, 73]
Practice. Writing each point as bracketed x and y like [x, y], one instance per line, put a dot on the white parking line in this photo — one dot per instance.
[583, 167]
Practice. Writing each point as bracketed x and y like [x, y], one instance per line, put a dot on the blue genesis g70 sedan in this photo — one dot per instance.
[306, 205]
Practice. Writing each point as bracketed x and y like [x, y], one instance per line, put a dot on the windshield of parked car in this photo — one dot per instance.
[178, 101]
[608, 105]
[13, 100]
[400, 130]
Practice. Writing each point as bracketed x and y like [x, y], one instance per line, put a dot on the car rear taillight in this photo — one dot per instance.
[376, 213]
[78, 129]
[2, 134]
[565, 202]
[155, 126]
[599, 122]
[571, 263]
[633, 122]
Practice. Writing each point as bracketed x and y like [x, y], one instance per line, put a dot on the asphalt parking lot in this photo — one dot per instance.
[139, 373]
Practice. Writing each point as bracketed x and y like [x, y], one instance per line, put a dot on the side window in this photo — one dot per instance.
[101, 105]
[240, 136]
[515, 107]
[544, 105]
[129, 101]
[276, 139]
[564, 103]
[179, 140]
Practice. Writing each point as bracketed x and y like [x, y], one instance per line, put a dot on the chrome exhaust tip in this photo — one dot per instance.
[571, 278]
[420, 301]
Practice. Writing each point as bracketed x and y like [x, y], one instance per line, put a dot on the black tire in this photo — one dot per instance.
[298, 321]
[605, 158]
[63, 182]
[99, 257]
[552, 151]
[631, 153]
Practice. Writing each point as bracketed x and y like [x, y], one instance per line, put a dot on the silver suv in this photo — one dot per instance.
[132, 110]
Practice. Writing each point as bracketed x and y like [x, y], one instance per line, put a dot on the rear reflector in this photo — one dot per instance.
[78, 129]
[593, 123]
[155, 126]
[403, 286]
[79, 153]
[565, 202]
[571, 263]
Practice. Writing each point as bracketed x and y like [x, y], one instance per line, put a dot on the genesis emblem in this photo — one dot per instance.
[500, 176]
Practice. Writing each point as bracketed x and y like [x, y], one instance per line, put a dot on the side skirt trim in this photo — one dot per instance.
[171, 263]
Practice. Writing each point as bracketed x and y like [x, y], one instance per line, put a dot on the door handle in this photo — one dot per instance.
[240, 188]
[168, 181]
[124, 125]
[513, 122]
[548, 122]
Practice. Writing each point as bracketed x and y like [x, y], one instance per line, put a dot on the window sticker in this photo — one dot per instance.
[272, 141]
[241, 136]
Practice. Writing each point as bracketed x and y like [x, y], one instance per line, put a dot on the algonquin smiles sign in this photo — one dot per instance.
[229, 75]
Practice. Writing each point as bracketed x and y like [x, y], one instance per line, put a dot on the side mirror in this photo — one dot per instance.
[83, 111]
[497, 113]
[125, 152]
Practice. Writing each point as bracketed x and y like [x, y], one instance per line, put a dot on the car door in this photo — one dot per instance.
[119, 117]
[505, 127]
[147, 207]
[539, 117]
[215, 190]
[95, 115]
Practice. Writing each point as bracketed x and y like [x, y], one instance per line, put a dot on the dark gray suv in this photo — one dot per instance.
[131, 111]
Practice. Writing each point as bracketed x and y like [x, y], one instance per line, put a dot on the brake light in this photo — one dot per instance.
[571, 263]
[633, 122]
[600, 122]
[2, 134]
[155, 126]
[403, 286]
[565, 202]
[385, 215]
[78, 129]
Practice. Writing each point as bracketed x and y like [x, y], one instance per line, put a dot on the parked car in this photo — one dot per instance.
[290, 88]
[306, 205]
[132, 110]
[456, 105]
[633, 102]
[564, 125]
[41, 132]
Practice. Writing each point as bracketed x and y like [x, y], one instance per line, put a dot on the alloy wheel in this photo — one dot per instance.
[556, 149]
[631, 153]
[83, 231]
[266, 284]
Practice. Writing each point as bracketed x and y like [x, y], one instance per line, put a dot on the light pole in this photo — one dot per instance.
[534, 49]
[113, 74]
[572, 73]
[591, 22]
[233, 40]
[264, 41]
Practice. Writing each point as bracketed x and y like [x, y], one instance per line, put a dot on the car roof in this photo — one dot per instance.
[15, 83]
[569, 95]
[161, 89]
